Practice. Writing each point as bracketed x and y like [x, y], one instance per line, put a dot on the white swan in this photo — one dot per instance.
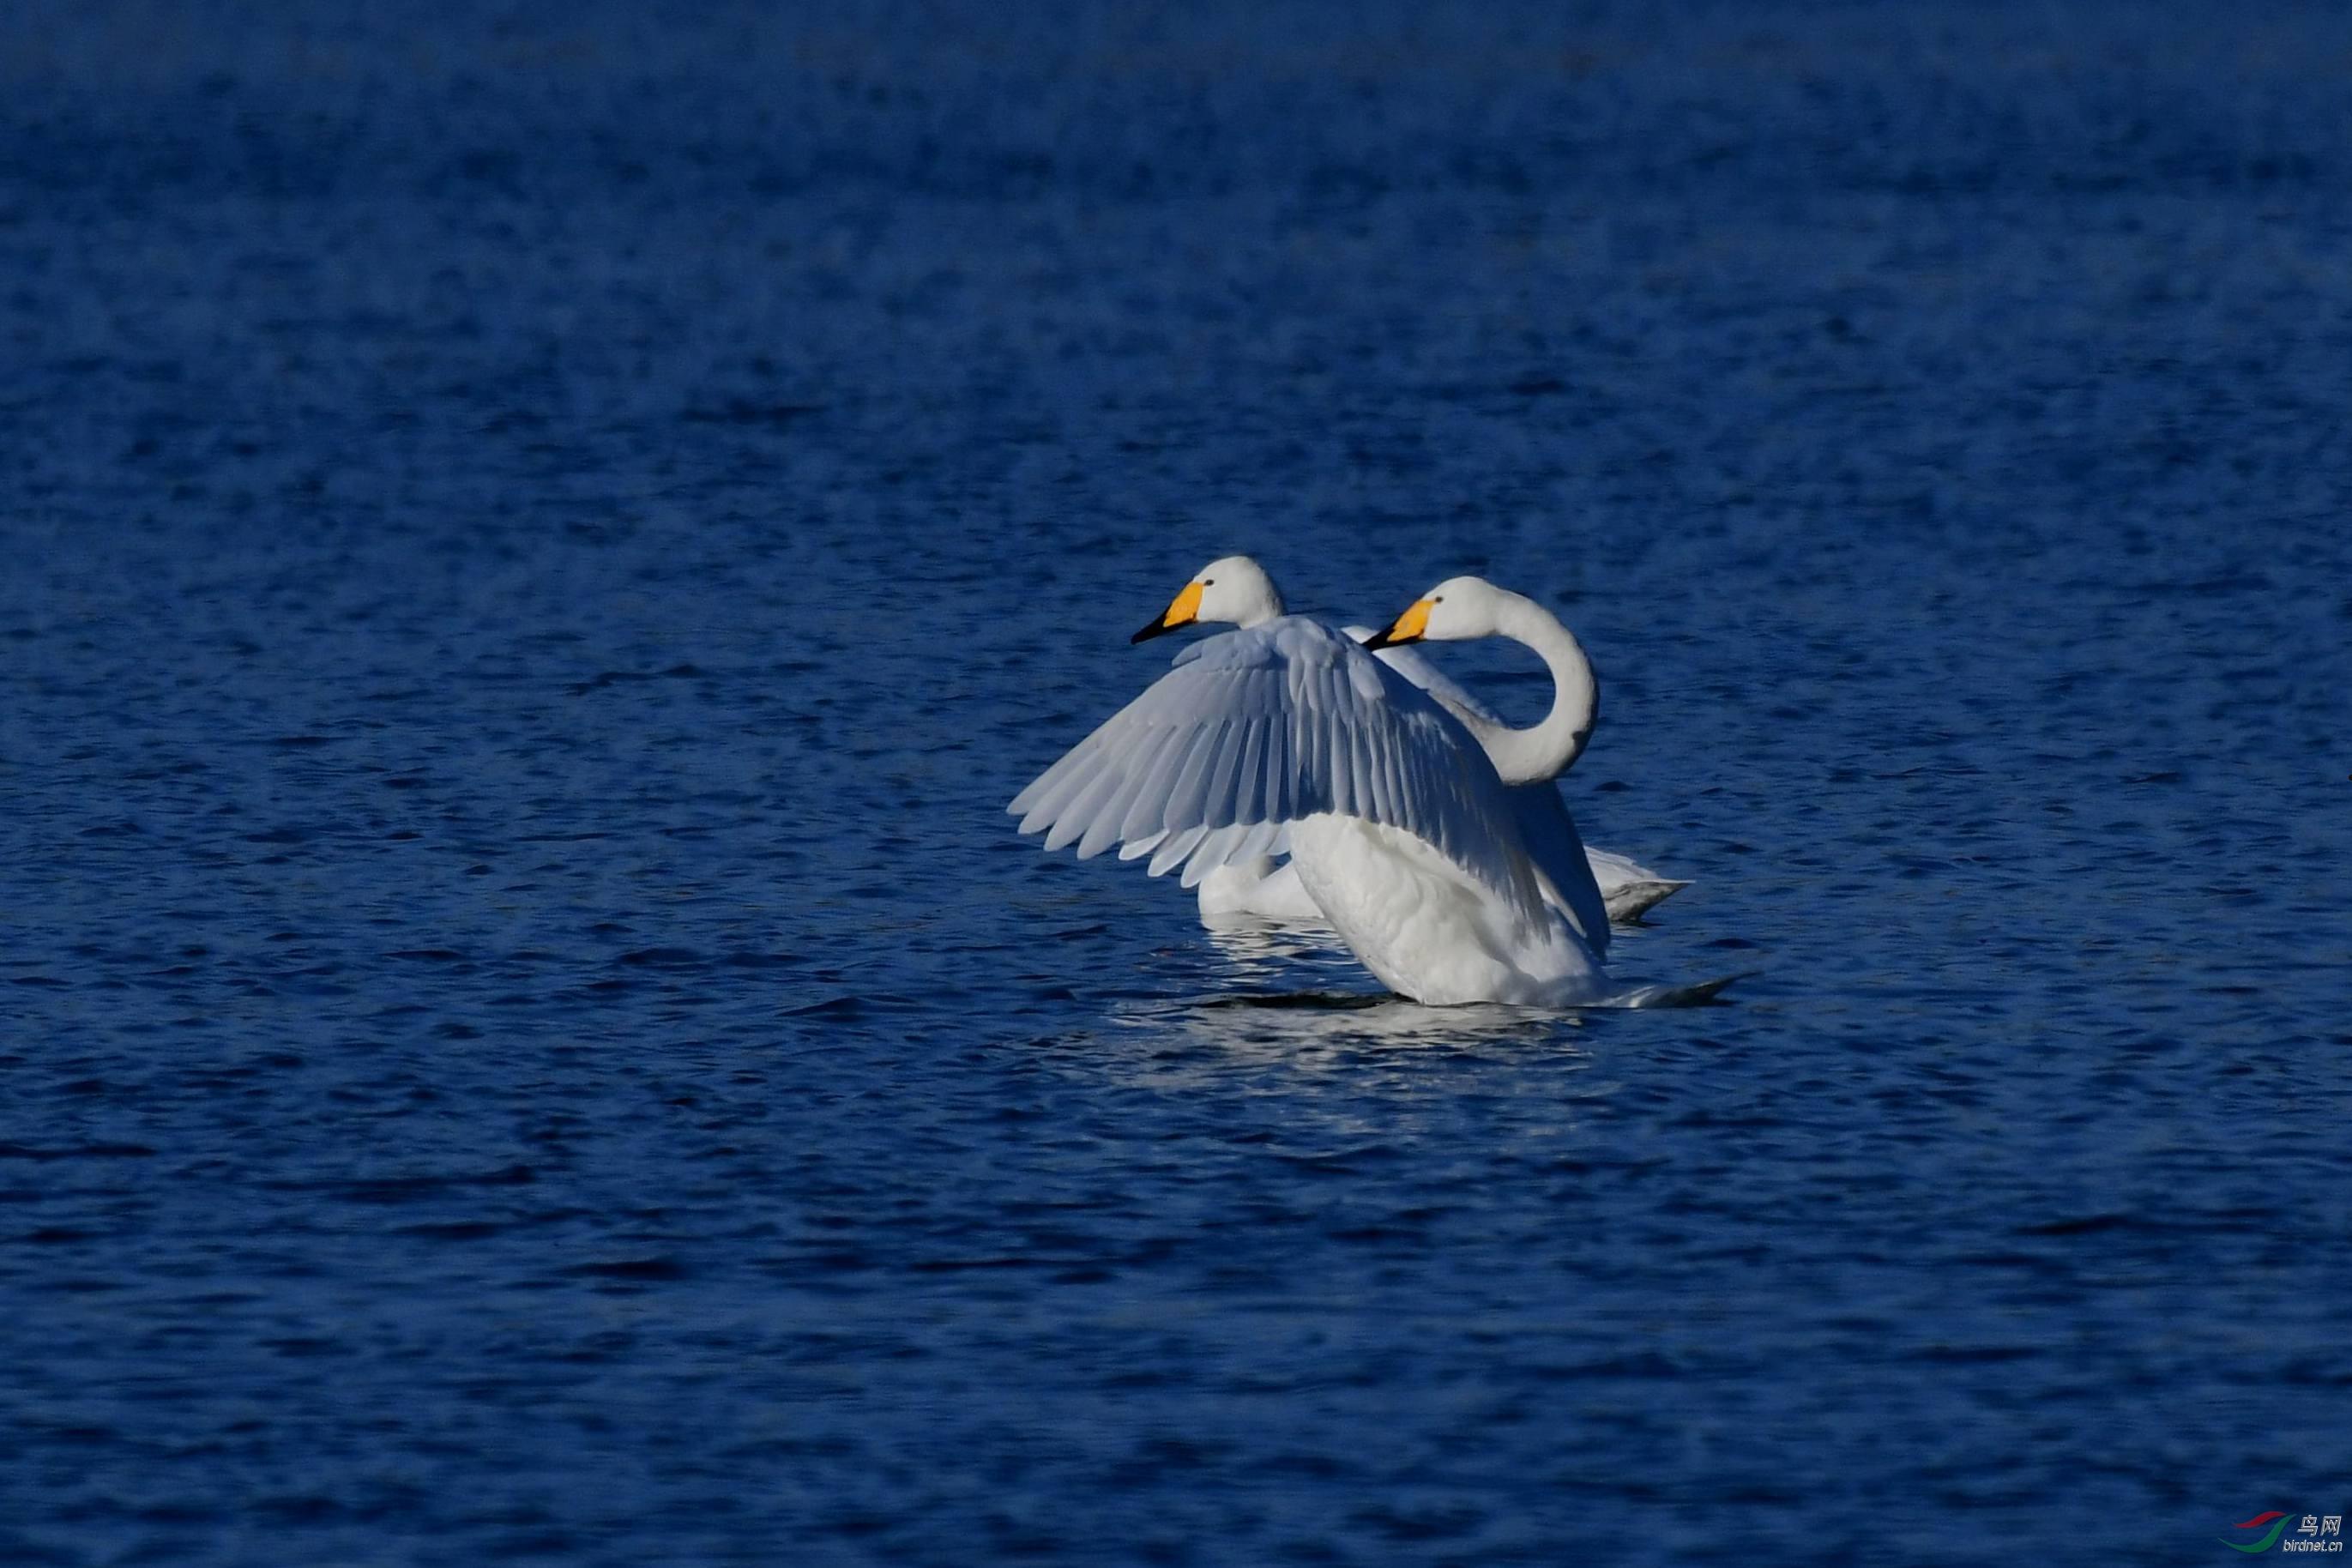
[1236, 589]
[1403, 832]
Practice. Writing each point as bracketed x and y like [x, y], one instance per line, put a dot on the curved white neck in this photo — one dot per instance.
[1546, 750]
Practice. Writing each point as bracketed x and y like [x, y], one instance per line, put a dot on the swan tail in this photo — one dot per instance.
[1632, 900]
[1705, 994]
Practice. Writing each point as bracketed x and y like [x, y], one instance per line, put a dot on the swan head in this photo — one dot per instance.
[1231, 588]
[1456, 610]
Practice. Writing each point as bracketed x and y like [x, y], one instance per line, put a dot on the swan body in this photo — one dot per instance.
[1266, 889]
[1428, 931]
[1288, 735]
[1236, 588]
[1260, 887]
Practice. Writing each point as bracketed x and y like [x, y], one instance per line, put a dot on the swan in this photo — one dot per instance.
[1236, 589]
[1403, 832]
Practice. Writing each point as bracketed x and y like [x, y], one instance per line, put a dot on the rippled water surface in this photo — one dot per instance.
[538, 544]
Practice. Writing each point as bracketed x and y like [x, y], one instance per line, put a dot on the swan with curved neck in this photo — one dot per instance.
[1404, 837]
[1235, 590]
[1463, 608]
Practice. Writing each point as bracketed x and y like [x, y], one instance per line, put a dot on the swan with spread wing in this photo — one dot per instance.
[1289, 734]
[1237, 590]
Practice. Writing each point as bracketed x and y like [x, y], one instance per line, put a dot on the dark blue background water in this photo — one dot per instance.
[538, 543]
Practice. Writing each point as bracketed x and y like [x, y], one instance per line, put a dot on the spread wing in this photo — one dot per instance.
[1256, 729]
[1559, 852]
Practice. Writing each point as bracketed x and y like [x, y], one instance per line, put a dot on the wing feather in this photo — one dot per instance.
[1281, 765]
[1173, 852]
[1084, 805]
[1145, 816]
[1188, 794]
[1045, 799]
[1215, 848]
[1256, 729]
[1261, 838]
[1249, 773]
[1557, 851]
[1080, 761]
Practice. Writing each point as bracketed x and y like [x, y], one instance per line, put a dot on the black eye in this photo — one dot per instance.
[1208, 581]
[1439, 600]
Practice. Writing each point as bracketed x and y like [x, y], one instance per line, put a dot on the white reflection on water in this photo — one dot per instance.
[1265, 955]
[1263, 1011]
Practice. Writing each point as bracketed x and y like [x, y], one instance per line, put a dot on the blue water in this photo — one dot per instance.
[538, 543]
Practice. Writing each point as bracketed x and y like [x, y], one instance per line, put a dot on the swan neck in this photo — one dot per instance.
[1267, 608]
[1548, 749]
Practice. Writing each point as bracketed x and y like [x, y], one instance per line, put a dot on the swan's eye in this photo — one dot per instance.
[1439, 600]
[1208, 581]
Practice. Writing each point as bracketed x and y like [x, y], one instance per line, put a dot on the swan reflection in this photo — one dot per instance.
[1279, 1008]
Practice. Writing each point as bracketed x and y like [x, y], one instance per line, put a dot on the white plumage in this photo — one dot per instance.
[1288, 733]
[1609, 886]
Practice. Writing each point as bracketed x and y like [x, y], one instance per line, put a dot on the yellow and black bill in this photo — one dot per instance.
[1410, 627]
[1184, 611]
